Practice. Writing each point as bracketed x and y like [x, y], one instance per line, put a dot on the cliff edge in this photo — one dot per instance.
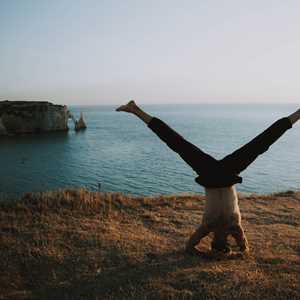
[77, 244]
[20, 117]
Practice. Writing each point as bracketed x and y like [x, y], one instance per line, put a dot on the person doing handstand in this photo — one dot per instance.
[218, 177]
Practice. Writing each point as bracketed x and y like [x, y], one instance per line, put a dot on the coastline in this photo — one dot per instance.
[118, 152]
[74, 244]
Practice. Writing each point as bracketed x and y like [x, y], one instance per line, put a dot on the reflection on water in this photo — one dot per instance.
[119, 152]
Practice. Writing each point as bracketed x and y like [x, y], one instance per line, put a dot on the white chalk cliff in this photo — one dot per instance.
[19, 117]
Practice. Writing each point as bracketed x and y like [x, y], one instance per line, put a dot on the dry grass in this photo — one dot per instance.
[75, 244]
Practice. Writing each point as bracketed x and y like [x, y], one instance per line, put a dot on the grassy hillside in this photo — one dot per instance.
[75, 244]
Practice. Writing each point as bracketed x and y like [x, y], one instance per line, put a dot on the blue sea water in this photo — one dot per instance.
[119, 152]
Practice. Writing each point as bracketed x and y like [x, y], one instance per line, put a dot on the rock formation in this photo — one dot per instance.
[80, 124]
[19, 117]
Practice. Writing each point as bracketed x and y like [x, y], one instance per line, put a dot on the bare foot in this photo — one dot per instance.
[130, 107]
[294, 117]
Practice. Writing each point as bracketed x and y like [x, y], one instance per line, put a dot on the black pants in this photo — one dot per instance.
[219, 173]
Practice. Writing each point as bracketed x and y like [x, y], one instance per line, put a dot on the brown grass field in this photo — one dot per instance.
[76, 244]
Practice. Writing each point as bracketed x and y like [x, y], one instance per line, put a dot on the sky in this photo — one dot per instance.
[154, 51]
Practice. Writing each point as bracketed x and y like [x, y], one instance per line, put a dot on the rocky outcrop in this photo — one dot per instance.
[19, 117]
[80, 124]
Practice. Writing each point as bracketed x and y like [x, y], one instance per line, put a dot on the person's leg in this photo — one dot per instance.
[131, 107]
[240, 159]
[294, 117]
[191, 154]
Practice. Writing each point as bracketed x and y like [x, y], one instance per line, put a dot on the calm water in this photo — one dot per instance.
[120, 152]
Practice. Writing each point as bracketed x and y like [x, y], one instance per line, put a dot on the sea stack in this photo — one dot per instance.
[80, 124]
[22, 117]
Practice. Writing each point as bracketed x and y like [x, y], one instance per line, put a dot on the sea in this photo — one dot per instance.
[119, 153]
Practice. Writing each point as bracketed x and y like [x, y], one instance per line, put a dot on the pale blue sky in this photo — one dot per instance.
[155, 51]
